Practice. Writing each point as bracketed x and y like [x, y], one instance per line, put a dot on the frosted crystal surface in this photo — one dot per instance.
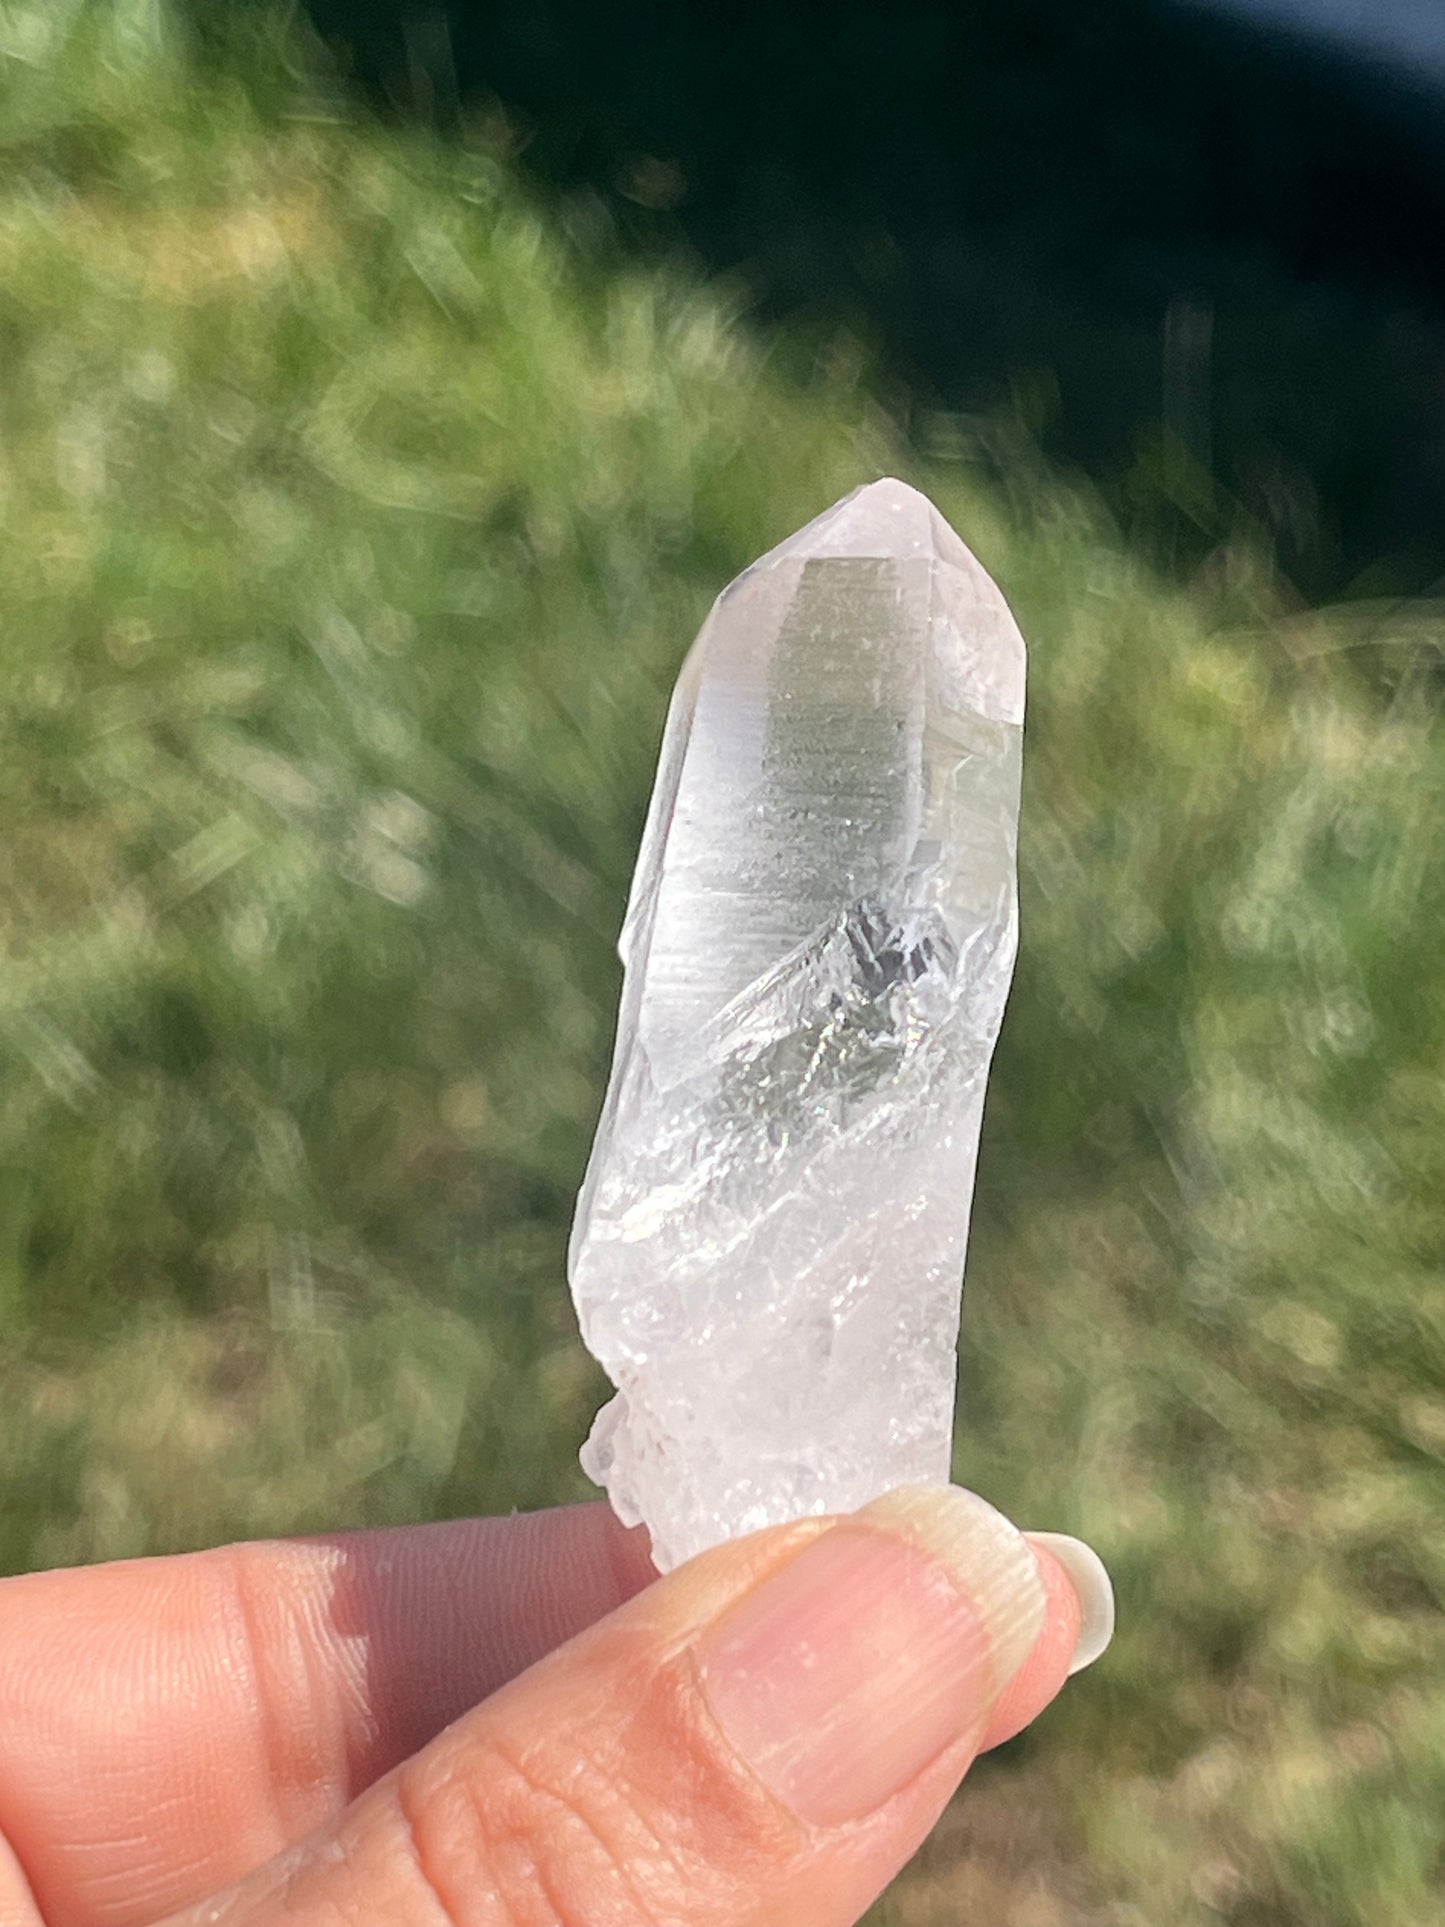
[769, 1242]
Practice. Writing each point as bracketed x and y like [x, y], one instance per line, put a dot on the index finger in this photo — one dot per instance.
[168, 1724]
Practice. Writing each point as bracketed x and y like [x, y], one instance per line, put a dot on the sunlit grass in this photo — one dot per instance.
[352, 532]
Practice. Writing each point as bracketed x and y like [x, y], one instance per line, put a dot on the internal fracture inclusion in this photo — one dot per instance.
[769, 1242]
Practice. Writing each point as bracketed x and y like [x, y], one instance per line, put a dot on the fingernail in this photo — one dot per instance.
[1090, 1579]
[882, 1642]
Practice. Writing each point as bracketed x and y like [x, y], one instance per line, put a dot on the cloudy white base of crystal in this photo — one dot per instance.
[769, 1242]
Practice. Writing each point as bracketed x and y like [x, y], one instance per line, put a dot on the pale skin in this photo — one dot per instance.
[494, 1723]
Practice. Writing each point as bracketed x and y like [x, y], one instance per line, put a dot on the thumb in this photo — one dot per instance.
[763, 1736]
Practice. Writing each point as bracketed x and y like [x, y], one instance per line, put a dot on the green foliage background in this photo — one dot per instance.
[351, 530]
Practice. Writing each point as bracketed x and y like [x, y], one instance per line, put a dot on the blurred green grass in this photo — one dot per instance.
[351, 529]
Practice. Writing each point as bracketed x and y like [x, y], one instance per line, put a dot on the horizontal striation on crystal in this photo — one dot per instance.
[770, 1238]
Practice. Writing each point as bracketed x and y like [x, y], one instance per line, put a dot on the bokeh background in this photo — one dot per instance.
[384, 393]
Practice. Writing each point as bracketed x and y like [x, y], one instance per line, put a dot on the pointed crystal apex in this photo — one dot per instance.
[884, 521]
[978, 651]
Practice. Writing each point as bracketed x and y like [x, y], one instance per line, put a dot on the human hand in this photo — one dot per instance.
[514, 1723]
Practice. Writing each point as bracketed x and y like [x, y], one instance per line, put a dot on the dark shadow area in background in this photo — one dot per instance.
[1185, 250]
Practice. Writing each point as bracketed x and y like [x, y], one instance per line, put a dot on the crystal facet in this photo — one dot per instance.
[770, 1238]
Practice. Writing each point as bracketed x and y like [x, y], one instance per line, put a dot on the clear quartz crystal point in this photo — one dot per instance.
[769, 1242]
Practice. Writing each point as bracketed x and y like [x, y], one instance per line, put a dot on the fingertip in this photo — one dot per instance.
[1090, 1579]
[1043, 1674]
